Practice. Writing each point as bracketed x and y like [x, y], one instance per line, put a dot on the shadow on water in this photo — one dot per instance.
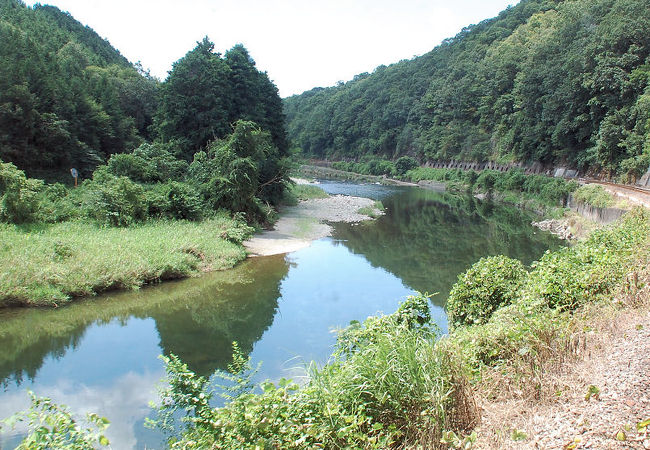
[196, 319]
[427, 238]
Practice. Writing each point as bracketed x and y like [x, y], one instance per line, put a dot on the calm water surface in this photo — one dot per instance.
[101, 355]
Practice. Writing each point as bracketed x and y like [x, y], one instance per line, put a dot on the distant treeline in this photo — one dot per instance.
[69, 99]
[547, 80]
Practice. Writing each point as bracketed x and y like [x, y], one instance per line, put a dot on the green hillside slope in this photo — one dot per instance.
[547, 80]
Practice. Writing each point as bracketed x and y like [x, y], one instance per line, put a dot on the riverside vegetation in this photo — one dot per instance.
[166, 192]
[394, 381]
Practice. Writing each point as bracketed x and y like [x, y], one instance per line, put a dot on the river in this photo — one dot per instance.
[101, 354]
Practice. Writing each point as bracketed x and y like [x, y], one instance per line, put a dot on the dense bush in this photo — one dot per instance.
[149, 163]
[488, 285]
[404, 164]
[18, 195]
[174, 200]
[589, 270]
[593, 195]
[368, 165]
[115, 201]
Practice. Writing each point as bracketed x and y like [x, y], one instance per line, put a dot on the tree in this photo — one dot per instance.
[195, 100]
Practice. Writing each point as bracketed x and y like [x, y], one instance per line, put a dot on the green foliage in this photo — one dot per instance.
[52, 426]
[591, 269]
[490, 284]
[594, 195]
[174, 200]
[297, 192]
[367, 166]
[205, 93]
[67, 98]
[115, 201]
[556, 82]
[388, 388]
[404, 164]
[241, 173]
[18, 195]
[149, 163]
[72, 259]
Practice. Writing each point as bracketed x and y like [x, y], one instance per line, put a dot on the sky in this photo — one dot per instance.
[301, 44]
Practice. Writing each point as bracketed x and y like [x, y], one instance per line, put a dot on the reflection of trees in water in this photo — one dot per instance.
[197, 319]
[202, 333]
[427, 238]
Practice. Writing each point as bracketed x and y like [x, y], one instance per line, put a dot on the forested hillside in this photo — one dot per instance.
[547, 80]
[69, 99]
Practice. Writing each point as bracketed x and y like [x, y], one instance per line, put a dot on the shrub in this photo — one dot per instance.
[404, 164]
[18, 194]
[57, 203]
[174, 200]
[593, 195]
[149, 163]
[489, 284]
[114, 201]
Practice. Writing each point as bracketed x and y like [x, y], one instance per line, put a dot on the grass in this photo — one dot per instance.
[372, 211]
[302, 192]
[594, 195]
[47, 265]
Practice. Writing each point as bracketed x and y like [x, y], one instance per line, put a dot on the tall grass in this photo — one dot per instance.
[49, 264]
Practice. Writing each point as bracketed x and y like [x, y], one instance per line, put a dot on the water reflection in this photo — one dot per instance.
[427, 238]
[196, 319]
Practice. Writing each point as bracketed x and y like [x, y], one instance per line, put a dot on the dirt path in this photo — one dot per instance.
[299, 225]
[618, 366]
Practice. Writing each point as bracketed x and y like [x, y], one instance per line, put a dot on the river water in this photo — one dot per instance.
[101, 355]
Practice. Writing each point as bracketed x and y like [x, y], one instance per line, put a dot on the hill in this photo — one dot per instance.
[546, 80]
[67, 97]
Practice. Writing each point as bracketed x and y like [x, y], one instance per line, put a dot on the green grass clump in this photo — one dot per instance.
[49, 264]
[301, 192]
[488, 285]
[594, 195]
[374, 211]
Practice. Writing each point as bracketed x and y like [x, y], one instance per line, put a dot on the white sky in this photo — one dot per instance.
[300, 43]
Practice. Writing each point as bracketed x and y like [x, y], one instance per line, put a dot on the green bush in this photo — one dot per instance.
[57, 203]
[489, 284]
[572, 276]
[404, 164]
[174, 200]
[393, 388]
[115, 201]
[149, 163]
[594, 195]
[19, 195]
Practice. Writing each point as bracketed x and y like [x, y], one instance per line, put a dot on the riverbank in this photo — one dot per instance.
[48, 265]
[299, 225]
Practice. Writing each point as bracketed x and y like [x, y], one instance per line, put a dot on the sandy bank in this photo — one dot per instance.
[299, 225]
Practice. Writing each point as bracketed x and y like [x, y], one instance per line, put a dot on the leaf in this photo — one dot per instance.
[620, 436]
[592, 391]
[641, 426]
[103, 441]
